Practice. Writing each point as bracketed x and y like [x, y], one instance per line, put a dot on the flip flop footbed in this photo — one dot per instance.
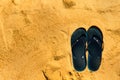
[78, 41]
[95, 40]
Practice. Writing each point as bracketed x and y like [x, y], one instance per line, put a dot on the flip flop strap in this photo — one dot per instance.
[79, 39]
[97, 40]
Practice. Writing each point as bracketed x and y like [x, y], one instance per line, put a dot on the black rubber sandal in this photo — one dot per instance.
[78, 45]
[95, 47]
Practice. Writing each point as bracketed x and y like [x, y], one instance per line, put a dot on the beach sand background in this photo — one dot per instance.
[35, 38]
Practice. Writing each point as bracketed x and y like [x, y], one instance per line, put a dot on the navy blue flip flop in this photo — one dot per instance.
[78, 46]
[95, 43]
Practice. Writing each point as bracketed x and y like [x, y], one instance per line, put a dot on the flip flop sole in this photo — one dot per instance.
[95, 41]
[78, 41]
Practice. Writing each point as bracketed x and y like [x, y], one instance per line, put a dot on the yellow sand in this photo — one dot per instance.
[35, 38]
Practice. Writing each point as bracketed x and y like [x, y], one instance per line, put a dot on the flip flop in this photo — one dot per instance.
[95, 43]
[78, 45]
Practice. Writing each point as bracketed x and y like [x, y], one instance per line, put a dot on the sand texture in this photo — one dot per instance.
[35, 38]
